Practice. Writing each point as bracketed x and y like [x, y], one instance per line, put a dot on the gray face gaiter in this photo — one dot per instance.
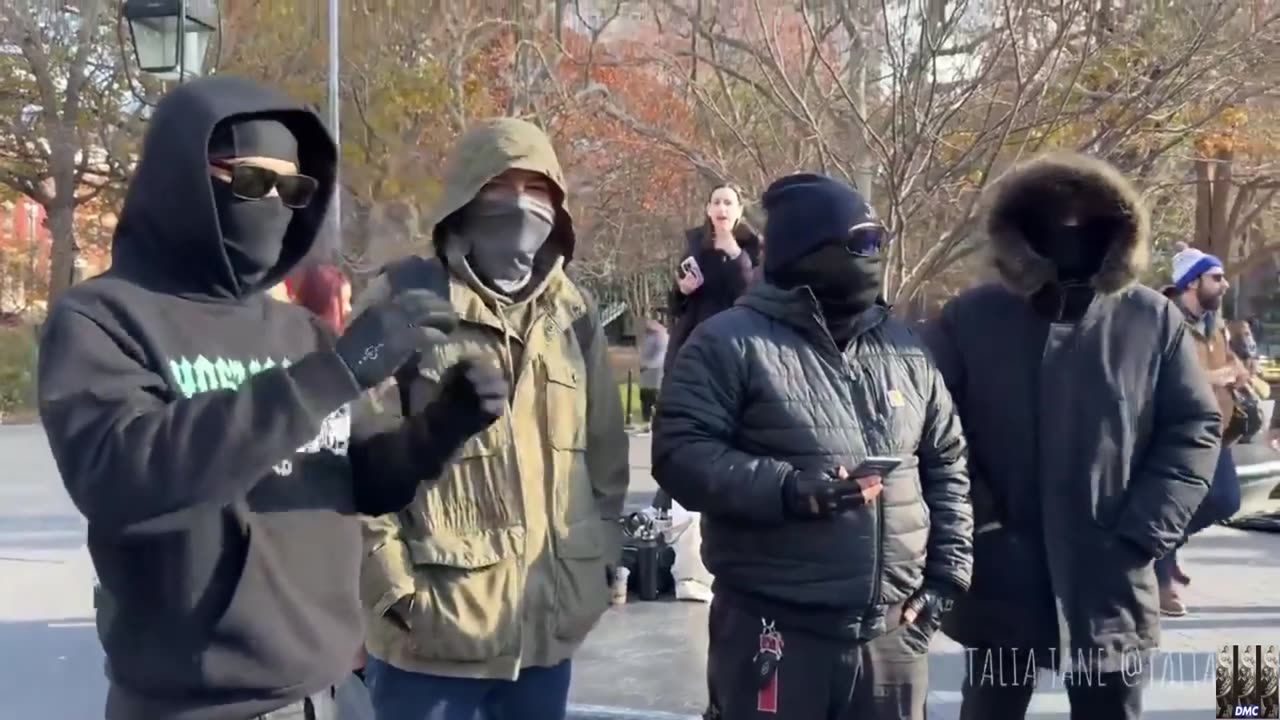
[504, 234]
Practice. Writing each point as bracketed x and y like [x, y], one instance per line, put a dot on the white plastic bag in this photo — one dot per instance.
[684, 535]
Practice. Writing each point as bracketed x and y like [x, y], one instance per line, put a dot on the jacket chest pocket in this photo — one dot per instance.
[894, 411]
[566, 428]
[475, 490]
[566, 405]
[466, 603]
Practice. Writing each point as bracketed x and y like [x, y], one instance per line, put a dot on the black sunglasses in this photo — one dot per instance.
[254, 182]
[866, 239]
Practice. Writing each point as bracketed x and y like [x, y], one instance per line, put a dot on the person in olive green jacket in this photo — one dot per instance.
[479, 593]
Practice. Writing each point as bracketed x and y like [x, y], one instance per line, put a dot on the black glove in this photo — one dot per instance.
[472, 396]
[930, 603]
[385, 336]
[821, 493]
[922, 614]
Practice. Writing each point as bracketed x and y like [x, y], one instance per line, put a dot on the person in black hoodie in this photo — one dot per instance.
[205, 432]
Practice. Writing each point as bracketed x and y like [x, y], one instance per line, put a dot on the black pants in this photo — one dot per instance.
[817, 678]
[648, 399]
[999, 685]
[317, 707]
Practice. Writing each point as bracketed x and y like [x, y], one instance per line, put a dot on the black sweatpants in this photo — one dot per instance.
[648, 400]
[818, 678]
[998, 685]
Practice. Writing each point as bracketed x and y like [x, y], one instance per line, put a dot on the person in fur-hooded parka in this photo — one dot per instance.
[1092, 435]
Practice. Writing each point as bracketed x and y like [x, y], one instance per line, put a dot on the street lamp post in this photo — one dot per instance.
[170, 41]
[335, 123]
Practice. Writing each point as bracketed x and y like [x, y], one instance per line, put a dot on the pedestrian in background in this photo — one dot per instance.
[1199, 287]
[326, 292]
[653, 355]
[719, 263]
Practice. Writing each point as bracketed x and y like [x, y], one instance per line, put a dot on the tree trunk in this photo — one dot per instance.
[1216, 198]
[63, 250]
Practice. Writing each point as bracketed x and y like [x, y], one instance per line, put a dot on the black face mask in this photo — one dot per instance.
[845, 284]
[252, 233]
[1076, 250]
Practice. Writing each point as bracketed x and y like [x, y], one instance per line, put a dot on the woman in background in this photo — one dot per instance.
[326, 292]
[718, 266]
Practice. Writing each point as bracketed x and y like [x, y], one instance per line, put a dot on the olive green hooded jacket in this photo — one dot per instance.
[505, 556]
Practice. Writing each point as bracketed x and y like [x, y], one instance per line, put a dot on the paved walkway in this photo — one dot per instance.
[644, 655]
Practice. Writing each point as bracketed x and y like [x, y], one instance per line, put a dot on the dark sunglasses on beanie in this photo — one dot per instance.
[254, 182]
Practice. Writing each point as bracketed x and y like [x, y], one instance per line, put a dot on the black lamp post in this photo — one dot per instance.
[169, 39]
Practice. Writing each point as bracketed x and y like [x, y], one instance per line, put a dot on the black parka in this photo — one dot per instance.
[1092, 440]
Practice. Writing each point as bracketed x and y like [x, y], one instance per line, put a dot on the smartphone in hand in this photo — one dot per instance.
[689, 275]
[873, 465]
[689, 267]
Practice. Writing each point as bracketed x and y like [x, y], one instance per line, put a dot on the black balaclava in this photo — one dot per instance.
[252, 230]
[1077, 250]
[844, 284]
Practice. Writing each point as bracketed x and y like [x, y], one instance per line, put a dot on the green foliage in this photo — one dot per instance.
[17, 368]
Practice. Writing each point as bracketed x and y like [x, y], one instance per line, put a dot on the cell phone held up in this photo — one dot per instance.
[689, 267]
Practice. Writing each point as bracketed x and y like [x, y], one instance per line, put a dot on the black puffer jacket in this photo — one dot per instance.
[760, 390]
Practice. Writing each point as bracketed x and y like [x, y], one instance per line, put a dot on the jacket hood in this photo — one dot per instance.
[489, 149]
[1054, 185]
[168, 235]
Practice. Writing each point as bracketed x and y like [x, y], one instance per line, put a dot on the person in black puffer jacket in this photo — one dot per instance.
[828, 588]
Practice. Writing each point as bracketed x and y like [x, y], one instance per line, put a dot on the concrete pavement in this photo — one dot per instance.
[644, 655]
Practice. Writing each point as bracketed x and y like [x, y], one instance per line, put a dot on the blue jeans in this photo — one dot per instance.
[538, 694]
[1222, 502]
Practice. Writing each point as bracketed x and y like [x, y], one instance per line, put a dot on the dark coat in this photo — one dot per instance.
[724, 282]
[761, 390]
[1091, 441]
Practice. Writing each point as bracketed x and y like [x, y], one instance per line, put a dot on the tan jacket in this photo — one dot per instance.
[506, 555]
[1215, 352]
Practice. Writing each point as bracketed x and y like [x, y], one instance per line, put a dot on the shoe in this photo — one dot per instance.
[693, 591]
[1178, 575]
[1170, 604]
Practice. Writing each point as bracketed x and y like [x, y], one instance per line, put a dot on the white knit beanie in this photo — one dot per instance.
[1189, 264]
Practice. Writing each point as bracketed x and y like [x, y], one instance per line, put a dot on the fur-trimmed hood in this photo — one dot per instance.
[1050, 186]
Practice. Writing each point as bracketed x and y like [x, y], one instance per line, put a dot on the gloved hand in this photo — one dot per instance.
[384, 337]
[472, 396]
[929, 604]
[823, 493]
[922, 614]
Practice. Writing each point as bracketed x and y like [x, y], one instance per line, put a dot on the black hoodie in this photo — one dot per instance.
[203, 430]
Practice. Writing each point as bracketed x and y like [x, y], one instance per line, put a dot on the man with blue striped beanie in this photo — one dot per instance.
[1199, 285]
